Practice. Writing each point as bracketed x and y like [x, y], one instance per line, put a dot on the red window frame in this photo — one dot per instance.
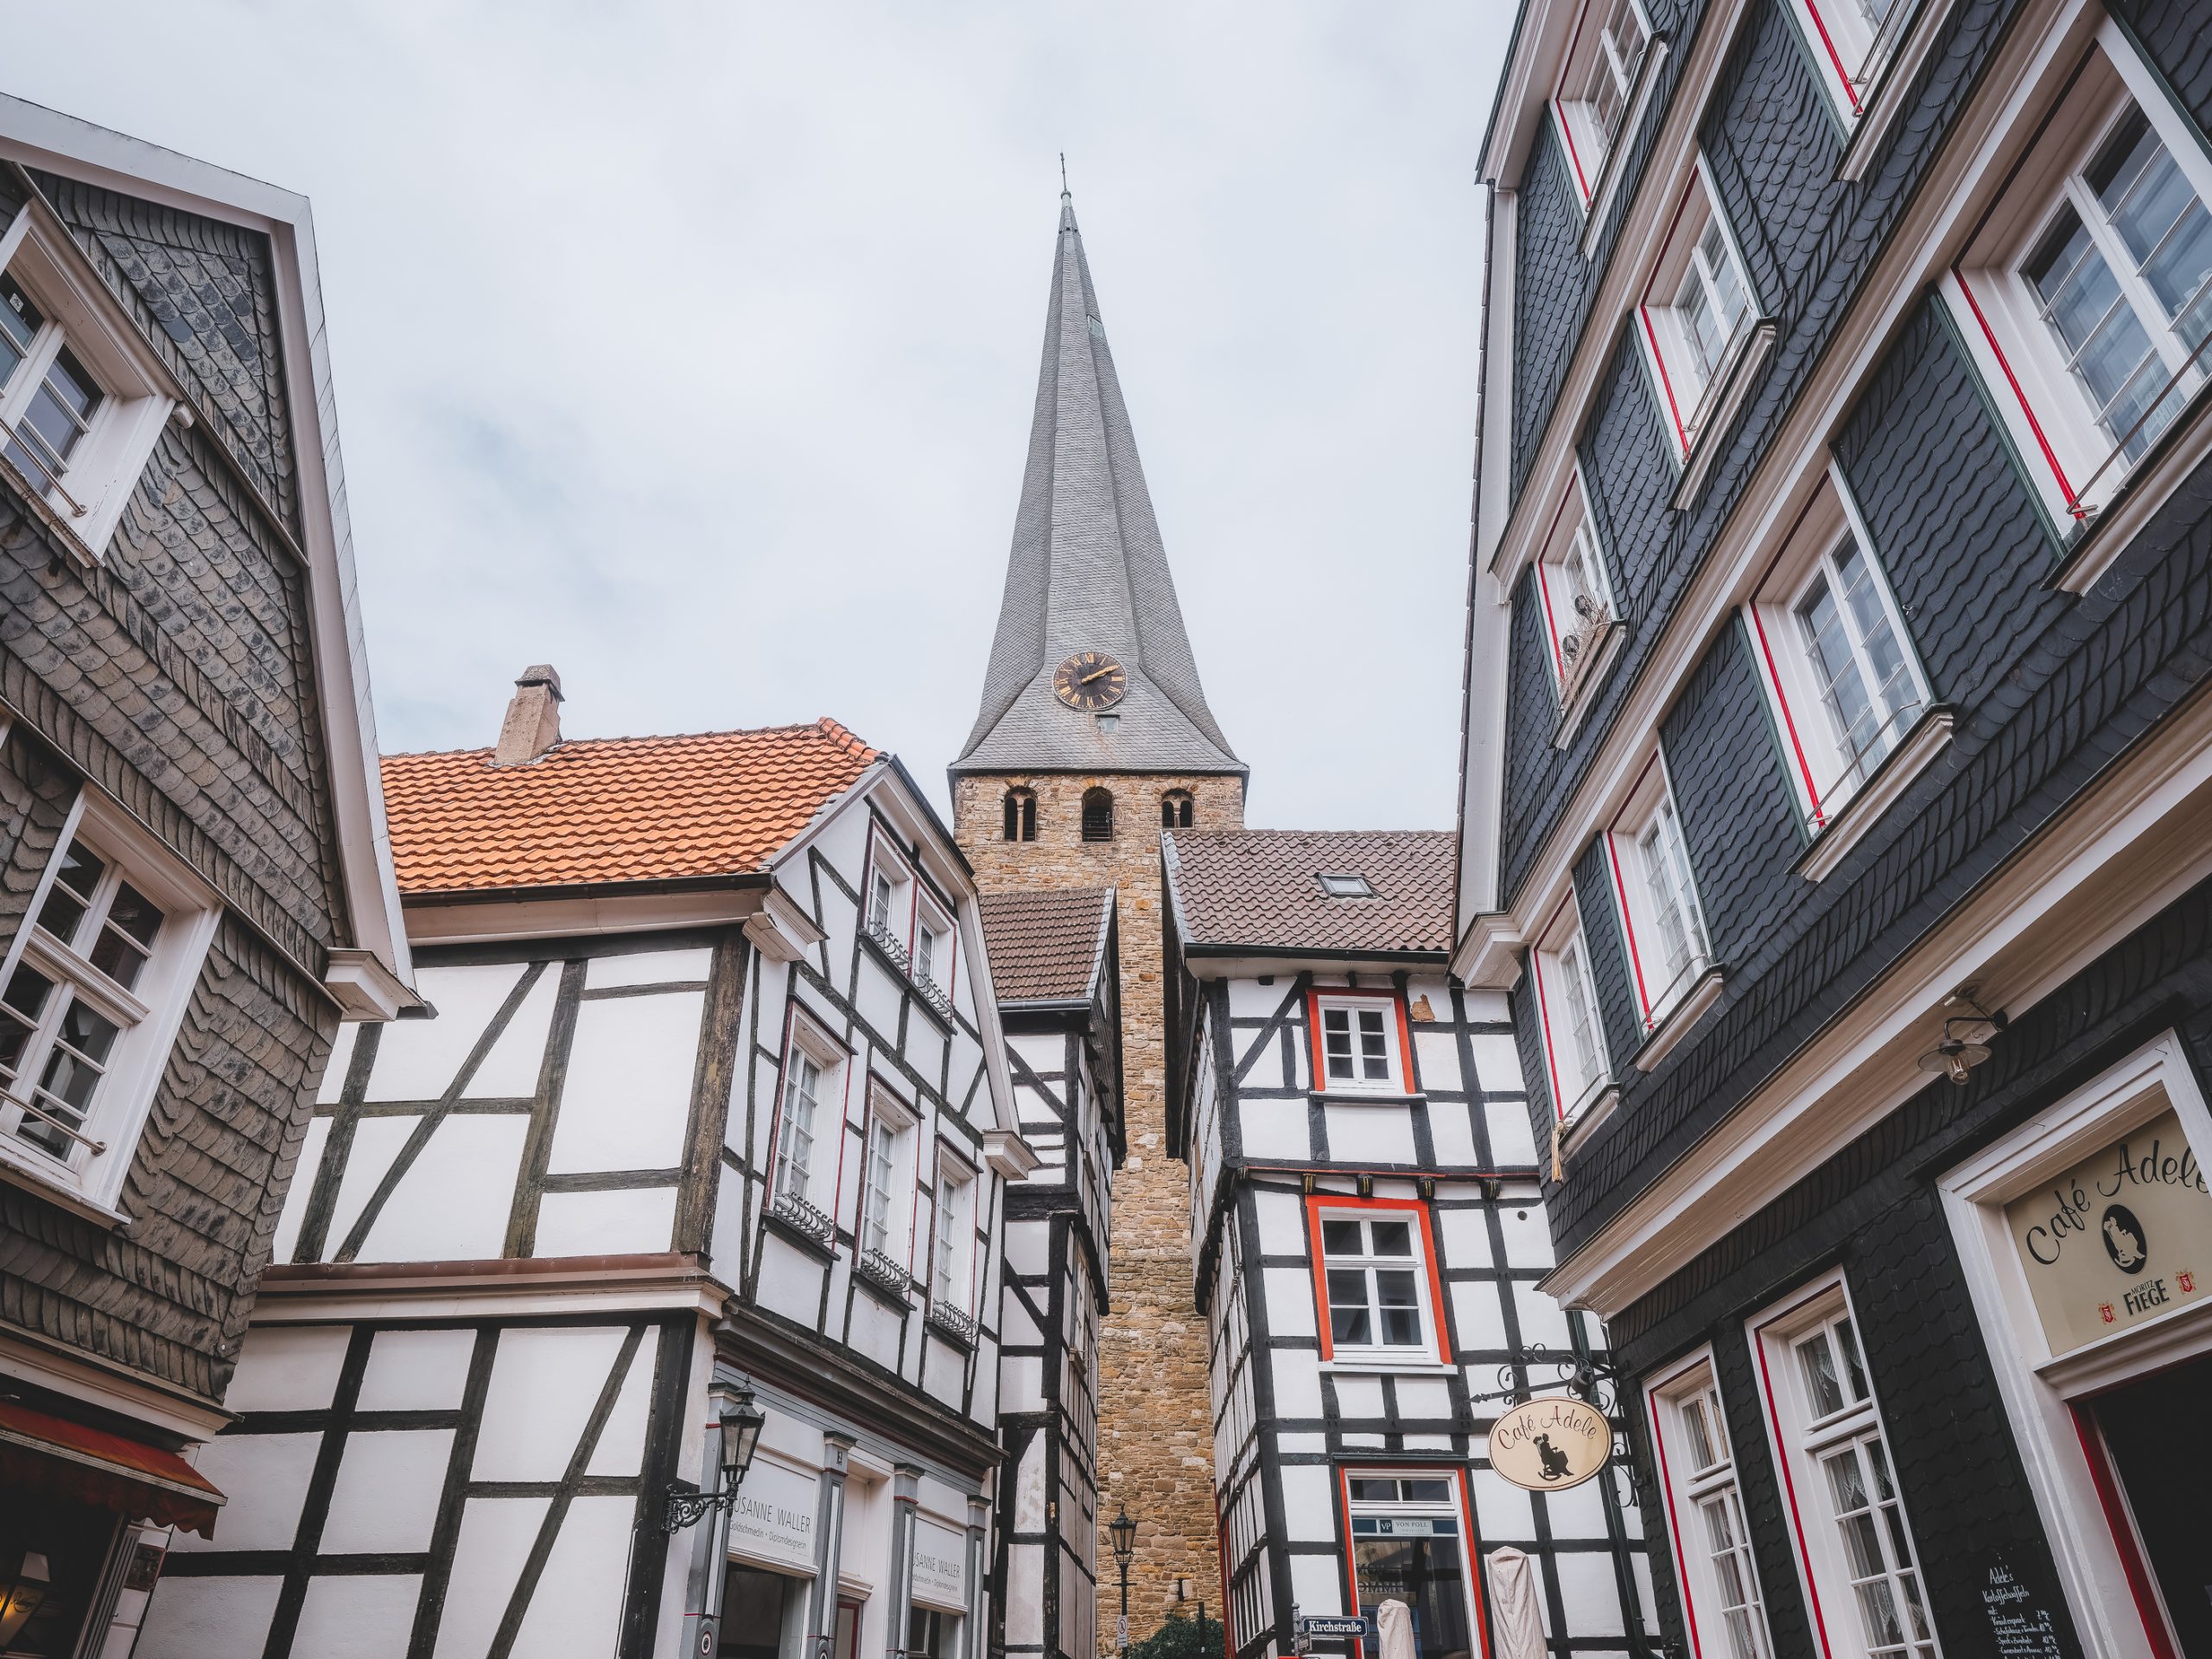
[1315, 1204]
[1478, 1594]
[1340, 992]
[794, 1011]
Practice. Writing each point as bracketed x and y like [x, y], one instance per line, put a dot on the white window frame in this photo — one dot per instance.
[1799, 1437]
[887, 1171]
[1660, 984]
[2039, 1389]
[149, 1013]
[1593, 154]
[1694, 400]
[1421, 1264]
[2073, 466]
[1822, 780]
[1352, 1004]
[936, 949]
[1689, 1489]
[1561, 966]
[1852, 51]
[889, 894]
[807, 1038]
[952, 1234]
[139, 394]
[1575, 645]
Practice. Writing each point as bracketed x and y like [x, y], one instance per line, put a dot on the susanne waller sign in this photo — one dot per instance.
[1550, 1442]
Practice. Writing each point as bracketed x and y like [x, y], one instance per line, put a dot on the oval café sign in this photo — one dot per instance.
[1550, 1442]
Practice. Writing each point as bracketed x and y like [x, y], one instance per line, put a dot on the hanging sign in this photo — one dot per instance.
[772, 1521]
[1550, 1442]
[1359, 1626]
[940, 1566]
[2123, 1236]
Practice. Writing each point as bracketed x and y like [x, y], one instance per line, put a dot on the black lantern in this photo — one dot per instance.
[1125, 1536]
[22, 1593]
[740, 1421]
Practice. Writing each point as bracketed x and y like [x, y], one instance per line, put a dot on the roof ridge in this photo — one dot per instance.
[822, 725]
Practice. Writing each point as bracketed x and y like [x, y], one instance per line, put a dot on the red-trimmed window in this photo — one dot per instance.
[1846, 1514]
[1705, 1514]
[1359, 1042]
[936, 945]
[952, 1256]
[887, 1179]
[1597, 86]
[2085, 294]
[888, 894]
[1575, 1057]
[1375, 1281]
[1574, 593]
[1662, 922]
[1696, 311]
[1410, 1542]
[1843, 681]
[809, 1124]
[1852, 41]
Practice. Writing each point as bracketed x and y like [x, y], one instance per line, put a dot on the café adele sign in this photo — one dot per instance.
[2123, 1236]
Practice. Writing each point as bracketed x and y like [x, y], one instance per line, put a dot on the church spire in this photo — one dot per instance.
[1087, 574]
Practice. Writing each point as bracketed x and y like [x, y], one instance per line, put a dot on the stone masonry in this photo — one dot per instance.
[1155, 1415]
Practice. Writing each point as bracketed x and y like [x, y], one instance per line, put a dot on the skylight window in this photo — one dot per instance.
[1337, 885]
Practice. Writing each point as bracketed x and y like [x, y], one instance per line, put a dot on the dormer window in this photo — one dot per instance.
[1347, 885]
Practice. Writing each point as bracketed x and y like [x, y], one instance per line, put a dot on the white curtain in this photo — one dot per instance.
[1519, 1630]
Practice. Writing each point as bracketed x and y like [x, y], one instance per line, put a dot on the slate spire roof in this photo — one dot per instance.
[1088, 573]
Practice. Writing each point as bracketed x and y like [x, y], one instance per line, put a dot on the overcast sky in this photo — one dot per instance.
[692, 348]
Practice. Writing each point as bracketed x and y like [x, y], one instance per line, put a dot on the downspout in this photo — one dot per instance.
[1474, 534]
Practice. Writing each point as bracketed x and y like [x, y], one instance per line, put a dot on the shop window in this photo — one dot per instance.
[1097, 815]
[53, 1555]
[1359, 1044]
[90, 1001]
[1662, 922]
[1566, 1010]
[1706, 1513]
[1409, 1546]
[1376, 1279]
[931, 1634]
[1850, 1524]
[2086, 292]
[756, 1606]
[1842, 678]
[1020, 814]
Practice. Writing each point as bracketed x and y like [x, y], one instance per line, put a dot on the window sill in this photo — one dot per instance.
[1616, 161]
[1584, 690]
[56, 523]
[1718, 409]
[18, 1171]
[1886, 99]
[1676, 1022]
[1930, 736]
[1386, 1365]
[1588, 1113]
[1361, 1097]
[2105, 537]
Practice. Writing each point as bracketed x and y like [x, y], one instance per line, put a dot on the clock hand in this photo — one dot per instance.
[1100, 674]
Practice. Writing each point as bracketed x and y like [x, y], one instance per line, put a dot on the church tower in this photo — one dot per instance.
[1093, 733]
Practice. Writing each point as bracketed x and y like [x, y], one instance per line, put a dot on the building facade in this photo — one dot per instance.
[1093, 733]
[1836, 790]
[1056, 966]
[714, 1099]
[1366, 1241]
[194, 883]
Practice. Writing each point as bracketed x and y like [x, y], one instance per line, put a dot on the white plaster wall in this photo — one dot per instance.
[517, 1059]
[874, 1330]
[628, 1091]
[1476, 1315]
[1249, 1000]
[621, 1448]
[294, 1212]
[543, 1385]
[1259, 1059]
[1290, 1301]
[1281, 1217]
[1025, 1606]
[943, 1371]
[417, 1058]
[606, 1224]
[452, 1204]
[648, 967]
[1297, 1382]
[417, 1371]
[1452, 1134]
[341, 1058]
[1511, 1140]
[1527, 1238]
[926, 1045]
[1502, 1509]
[1309, 1503]
[1542, 1317]
[1497, 1063]
[496, 1534]
[875, 995]
[1314, 1584]
[1274, 1128]
[385, 1500]
[789, 1282]
[265, 1478]
[1463, 1238]
[355, 1616]
[1022, 1383]
[578, 1609]
[1370, 1133]
[209, 1619]
[1436, 1054]
[289, 1368]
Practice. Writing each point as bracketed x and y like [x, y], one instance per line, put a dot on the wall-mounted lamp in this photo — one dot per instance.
[1967, 1027]
[23, 1592]
[741, 1421]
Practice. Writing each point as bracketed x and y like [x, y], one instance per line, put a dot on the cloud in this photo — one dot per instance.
[691, 347]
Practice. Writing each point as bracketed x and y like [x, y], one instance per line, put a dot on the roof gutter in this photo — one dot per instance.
[676, 884]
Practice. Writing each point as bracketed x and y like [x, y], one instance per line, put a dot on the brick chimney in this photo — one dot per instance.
[533, 721]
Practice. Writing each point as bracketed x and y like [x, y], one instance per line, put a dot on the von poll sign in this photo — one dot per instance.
[1551, 1443]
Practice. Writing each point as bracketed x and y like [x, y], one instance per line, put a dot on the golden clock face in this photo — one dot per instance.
[1090, 680]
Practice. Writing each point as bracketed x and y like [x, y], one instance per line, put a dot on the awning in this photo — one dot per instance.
[109, 1471]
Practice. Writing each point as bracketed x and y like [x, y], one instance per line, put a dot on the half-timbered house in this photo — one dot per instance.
[194, 883]
[1366, 1238]
[1838, 790]
[1055, 961]
[714, 1098]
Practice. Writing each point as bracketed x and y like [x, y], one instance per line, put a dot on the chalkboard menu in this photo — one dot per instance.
[2017, 1624]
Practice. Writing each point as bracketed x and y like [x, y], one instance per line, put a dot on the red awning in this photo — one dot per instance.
[110, 1472]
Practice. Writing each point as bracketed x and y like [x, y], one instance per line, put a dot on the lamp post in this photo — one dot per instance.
[1125, 1547]
[741, 1423]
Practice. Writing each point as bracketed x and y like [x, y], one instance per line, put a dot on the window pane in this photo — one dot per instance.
[1340, 1237]
[1373, 1047]
[1336, 1041]
[1393, 1237]
[1367, 1488]
[1701, 1455]
[1843, 688]
[1349, 1320]
[1821, 1384]
[19, 324]
[1400, 1308]
[26, 994]
[75, 877]
[1878, 642]
[1427, 1492]
[1847, 1339]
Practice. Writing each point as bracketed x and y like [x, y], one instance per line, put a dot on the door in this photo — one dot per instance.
[848, 1629]
[2158, 1436]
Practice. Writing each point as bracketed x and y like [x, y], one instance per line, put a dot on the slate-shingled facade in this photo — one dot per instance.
[1835, 728]
[194, 882]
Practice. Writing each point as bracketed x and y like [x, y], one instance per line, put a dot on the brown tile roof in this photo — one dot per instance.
[1044, 946]
[620, 808]
[1262, 887]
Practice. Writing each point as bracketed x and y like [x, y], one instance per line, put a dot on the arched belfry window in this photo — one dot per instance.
[1022, 815]
[1097, 815]
[1175, 810]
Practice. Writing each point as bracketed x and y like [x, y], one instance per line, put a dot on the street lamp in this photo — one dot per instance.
[741, 1421]
[23, 1592]
[1125, 1547]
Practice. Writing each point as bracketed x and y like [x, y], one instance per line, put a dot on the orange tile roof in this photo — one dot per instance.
[621, 809]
